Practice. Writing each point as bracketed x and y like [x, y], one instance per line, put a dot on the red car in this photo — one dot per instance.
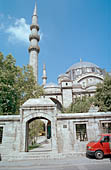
[100, 147]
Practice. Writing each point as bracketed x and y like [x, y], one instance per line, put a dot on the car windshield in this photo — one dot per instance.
[97, 139]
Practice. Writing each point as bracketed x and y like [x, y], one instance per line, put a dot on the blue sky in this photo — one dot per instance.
[69, 30]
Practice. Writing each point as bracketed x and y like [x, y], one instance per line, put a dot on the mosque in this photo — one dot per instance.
[79, 80]
[65, 134]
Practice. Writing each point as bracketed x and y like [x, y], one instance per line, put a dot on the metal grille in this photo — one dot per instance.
[106, 127]
[1, 134]
[81, 133]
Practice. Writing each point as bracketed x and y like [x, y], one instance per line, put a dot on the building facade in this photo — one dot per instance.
[79, 80]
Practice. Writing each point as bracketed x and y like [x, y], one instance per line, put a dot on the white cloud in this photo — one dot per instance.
[20, 31]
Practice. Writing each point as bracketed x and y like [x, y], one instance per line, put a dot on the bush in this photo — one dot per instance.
[80, 105]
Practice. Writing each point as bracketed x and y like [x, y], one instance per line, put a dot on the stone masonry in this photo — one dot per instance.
[64, 139]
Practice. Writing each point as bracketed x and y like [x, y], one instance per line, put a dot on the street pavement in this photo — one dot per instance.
[80, 163]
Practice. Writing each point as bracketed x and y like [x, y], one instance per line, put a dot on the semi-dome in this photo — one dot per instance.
[51, 85]
[82, 64]
[63, 75]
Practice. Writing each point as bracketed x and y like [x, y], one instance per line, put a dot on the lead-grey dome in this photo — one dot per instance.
[82, 64]
[51, 85]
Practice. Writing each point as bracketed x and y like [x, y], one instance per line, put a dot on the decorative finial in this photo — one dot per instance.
[80, 59]
[35, 9]
[44, 68]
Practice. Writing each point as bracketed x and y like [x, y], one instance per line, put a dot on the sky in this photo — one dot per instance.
[70, 30]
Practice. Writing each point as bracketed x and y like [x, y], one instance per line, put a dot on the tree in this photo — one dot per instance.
[35, 127]
[103, 94]
[16, 85]
[80, 105]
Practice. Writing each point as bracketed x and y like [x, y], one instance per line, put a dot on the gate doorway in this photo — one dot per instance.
[38, 135]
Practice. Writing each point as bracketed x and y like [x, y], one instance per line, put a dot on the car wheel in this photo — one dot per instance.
[99, 155]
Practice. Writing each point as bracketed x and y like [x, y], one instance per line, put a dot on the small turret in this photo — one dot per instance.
[44, 77]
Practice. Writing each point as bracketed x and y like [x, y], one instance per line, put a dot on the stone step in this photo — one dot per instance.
[39, 156]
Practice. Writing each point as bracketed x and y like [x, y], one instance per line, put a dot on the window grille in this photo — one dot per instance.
[106, 127]
[81, 133]
[1, 134]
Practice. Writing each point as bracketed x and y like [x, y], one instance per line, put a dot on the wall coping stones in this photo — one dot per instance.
[83, 115]
[10, 118]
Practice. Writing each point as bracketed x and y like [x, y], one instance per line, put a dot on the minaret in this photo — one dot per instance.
[34, 39]
[44, 77]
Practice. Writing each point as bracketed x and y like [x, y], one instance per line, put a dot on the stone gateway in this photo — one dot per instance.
[66, 136]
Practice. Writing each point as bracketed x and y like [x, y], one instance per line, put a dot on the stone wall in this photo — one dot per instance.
[67, 138]
[70, 132]
[11, 134]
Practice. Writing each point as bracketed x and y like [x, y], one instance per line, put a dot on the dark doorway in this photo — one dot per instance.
[38, 135]
[49, 130]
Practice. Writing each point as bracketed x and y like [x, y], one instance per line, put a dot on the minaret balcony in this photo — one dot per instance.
[32, 36]
[36, 26]
[44, 77]
[34, 48]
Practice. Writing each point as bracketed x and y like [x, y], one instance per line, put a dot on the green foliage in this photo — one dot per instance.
[35, 128]
[80, 105]
[27, 85]
[30, 147]
[103, 94]
[16, 85]
[102, 99]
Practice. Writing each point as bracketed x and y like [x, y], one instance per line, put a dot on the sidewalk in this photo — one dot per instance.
[52, 163]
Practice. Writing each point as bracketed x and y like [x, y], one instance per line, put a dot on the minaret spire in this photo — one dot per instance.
[44, 77]
[34, 39]
[35, 9]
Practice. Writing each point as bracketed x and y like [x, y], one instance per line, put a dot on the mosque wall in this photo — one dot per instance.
[71, 132]
[9, 134]
[74, 131]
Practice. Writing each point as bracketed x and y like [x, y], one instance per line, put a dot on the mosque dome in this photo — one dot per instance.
[81, 68]
[81, 65]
